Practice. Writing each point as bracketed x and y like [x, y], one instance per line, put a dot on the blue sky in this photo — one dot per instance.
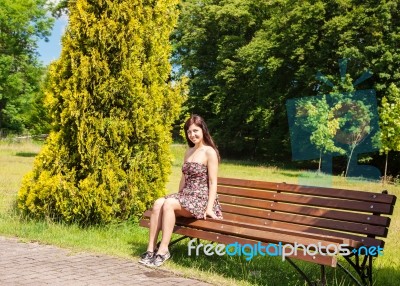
[50, 51]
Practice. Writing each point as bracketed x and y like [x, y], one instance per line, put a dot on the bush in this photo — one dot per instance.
[112, 108]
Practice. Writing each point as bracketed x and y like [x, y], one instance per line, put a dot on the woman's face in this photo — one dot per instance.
[195, 133]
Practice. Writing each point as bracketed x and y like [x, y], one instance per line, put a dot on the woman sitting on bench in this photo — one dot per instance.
[197, 196]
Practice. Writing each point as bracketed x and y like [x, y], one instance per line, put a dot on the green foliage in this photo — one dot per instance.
[112, 106]
[390, 120]
[22, 23]
[60, 8]
[246, 58]
[389, 135]
[38, 118]
[207, 41]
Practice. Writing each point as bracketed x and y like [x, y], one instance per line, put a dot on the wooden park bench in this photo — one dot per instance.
[273, 213]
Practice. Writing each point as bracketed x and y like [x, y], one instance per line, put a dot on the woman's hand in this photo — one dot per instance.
[211, 214]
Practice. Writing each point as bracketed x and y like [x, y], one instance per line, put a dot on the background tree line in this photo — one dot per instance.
[246, 58]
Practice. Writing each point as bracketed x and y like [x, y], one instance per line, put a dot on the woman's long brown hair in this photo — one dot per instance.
[199, 121]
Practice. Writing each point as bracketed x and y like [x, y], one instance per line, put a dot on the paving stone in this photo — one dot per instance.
[24, 264]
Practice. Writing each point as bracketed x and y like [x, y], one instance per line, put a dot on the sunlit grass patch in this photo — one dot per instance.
[129, 240]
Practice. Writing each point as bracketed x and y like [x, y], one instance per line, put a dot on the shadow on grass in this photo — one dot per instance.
[281, 165]
[289, 174]
[265, 270]
[26, 154]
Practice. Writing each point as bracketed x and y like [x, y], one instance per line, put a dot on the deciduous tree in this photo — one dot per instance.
[22, 24]
[390, 123]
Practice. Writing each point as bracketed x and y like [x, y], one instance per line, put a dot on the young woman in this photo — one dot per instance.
[197, 196]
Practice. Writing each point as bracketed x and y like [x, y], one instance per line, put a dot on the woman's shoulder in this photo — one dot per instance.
[210, 151]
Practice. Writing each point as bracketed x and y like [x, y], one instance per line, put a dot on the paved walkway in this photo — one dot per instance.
[36, 264]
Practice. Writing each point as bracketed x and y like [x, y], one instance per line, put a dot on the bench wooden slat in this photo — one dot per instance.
[368, 241]
[227, 239]
[352, 205]
[251, 233]
[318, 191]
[278, 230]
[245, 222]
[273, 237]
[317, 212]
[305, 220]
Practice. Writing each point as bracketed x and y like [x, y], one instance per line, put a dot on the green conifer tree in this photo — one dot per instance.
[112, 106]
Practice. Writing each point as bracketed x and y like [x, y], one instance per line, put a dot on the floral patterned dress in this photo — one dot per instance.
[194, 195]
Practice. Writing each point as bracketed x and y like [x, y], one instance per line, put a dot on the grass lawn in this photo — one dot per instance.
[129, 240]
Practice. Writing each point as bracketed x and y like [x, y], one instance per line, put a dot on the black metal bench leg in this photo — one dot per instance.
[363, 269]
[323, 275]
[308, 281]
[350, 274]
[300, 272]
[369, 270]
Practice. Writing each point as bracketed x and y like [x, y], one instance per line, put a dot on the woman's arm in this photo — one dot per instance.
[212, 165]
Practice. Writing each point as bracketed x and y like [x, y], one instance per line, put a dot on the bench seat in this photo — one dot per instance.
[272, 213]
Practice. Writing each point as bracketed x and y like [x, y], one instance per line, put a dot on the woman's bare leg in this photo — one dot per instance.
[171, 209]
[155, 223]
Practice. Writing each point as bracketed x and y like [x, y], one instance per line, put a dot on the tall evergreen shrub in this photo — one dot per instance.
[112, 106]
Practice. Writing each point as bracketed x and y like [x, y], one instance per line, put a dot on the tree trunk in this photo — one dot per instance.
[320, 161]
[386, 163]
[349, 160]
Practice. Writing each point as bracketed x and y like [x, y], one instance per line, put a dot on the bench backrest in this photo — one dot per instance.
[344, 213]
